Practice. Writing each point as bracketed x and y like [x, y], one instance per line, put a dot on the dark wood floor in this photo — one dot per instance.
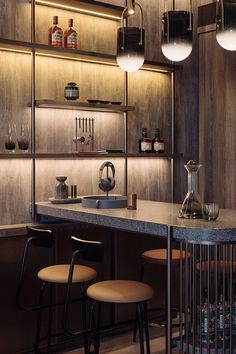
[122, 344]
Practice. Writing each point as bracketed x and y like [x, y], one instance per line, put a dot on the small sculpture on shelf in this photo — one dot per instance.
[61, 189]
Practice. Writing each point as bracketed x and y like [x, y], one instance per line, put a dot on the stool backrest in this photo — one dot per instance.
[91, 251]
[38, 238]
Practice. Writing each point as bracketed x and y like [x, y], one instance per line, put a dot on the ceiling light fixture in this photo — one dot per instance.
[226, 24]
[130, 41]
[177, 28]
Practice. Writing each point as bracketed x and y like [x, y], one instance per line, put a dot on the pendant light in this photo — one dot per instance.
[130, 41]
[177, 31]
[226, 24]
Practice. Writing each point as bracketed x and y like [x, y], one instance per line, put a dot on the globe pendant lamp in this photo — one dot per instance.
[130, 41]
[226, 24]
[177, 34]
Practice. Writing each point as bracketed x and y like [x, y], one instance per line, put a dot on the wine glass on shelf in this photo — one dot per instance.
[24, 137]
[10, 138]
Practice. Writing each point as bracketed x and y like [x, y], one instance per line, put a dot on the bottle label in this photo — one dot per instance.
[146, 146]
[72, 40]
[57, 38]
[158, 146]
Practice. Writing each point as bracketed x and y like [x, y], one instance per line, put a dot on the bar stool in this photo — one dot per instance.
[121, 292]
[157, 257]
[51, 275]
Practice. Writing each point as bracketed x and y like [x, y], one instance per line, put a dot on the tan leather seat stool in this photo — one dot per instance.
[55, 274]
[122, 292]
[158, 257]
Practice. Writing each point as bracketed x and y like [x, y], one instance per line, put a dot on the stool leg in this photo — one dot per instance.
[135, 326]
[84, 319]
[97, 339]
[39, 315]
[146, 327]
[90, 327]
[140, 322]
[50, 318]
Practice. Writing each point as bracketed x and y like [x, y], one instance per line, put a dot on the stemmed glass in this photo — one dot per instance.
[24, 137]
[10, 139]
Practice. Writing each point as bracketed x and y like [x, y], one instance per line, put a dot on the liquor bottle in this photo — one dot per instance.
[70, 36]
[55, 34]
[223, 315]
[157, 143]
[145, 144]
[234, 311]
[207, 320]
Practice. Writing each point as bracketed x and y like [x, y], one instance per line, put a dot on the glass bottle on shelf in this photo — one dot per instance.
[158, 143]
[55, 34]
[207, 325]
[223, 314]
[192, 206]
[70, 36]
[145, 144]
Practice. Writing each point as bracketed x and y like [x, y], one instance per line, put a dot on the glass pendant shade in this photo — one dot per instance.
[176, 35]
[130, 48]
[226, 25]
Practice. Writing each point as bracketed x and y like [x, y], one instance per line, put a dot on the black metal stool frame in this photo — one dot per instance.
[142, 324]
[45, 239]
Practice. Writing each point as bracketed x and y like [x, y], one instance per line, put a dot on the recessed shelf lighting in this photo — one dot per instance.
[83, 7]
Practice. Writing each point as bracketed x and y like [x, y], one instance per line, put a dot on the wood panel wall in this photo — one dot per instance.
[217, 121]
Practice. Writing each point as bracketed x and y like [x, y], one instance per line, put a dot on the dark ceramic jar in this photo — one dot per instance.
[71, 91]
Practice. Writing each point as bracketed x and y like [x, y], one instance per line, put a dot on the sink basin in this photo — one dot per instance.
[104, 202]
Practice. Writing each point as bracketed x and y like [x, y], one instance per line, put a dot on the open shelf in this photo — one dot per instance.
[79, 55]
[90, 7]
[82, 106]
[16, 155]
[86, 155]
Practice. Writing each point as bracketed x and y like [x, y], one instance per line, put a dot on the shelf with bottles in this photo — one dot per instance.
[83, 106]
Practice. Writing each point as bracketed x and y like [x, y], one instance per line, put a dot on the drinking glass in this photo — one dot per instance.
[10, 138]
[24, 137]
[210, 211]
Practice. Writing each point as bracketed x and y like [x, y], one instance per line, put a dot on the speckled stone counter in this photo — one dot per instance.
[153, 218]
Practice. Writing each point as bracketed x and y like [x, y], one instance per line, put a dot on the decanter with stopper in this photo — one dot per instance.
[192, 206]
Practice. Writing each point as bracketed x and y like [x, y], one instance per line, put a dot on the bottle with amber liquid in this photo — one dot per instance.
[55, 34]
[70, 36]
[145, 144]
[158, 143]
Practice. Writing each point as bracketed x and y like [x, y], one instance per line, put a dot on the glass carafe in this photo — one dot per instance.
[192, 206]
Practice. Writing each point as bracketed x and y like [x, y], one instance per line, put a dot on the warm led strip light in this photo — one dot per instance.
[15, 50]
[76, 59]
[89, 12]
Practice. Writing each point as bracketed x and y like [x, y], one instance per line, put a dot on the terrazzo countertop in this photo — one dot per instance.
[153, 218]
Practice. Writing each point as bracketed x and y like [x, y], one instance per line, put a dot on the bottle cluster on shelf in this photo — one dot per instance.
[148, 145]
[215, 319]
[58, 38]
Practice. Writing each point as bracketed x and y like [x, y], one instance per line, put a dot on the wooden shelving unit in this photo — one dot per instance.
[83, 106]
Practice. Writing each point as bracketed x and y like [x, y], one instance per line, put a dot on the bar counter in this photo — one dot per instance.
[156, 219]
[153, 218]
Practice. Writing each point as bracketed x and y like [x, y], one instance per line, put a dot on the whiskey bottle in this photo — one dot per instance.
[157, 143]
[223, 315]
[55, 34]
[70, 36]
[145, 144]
